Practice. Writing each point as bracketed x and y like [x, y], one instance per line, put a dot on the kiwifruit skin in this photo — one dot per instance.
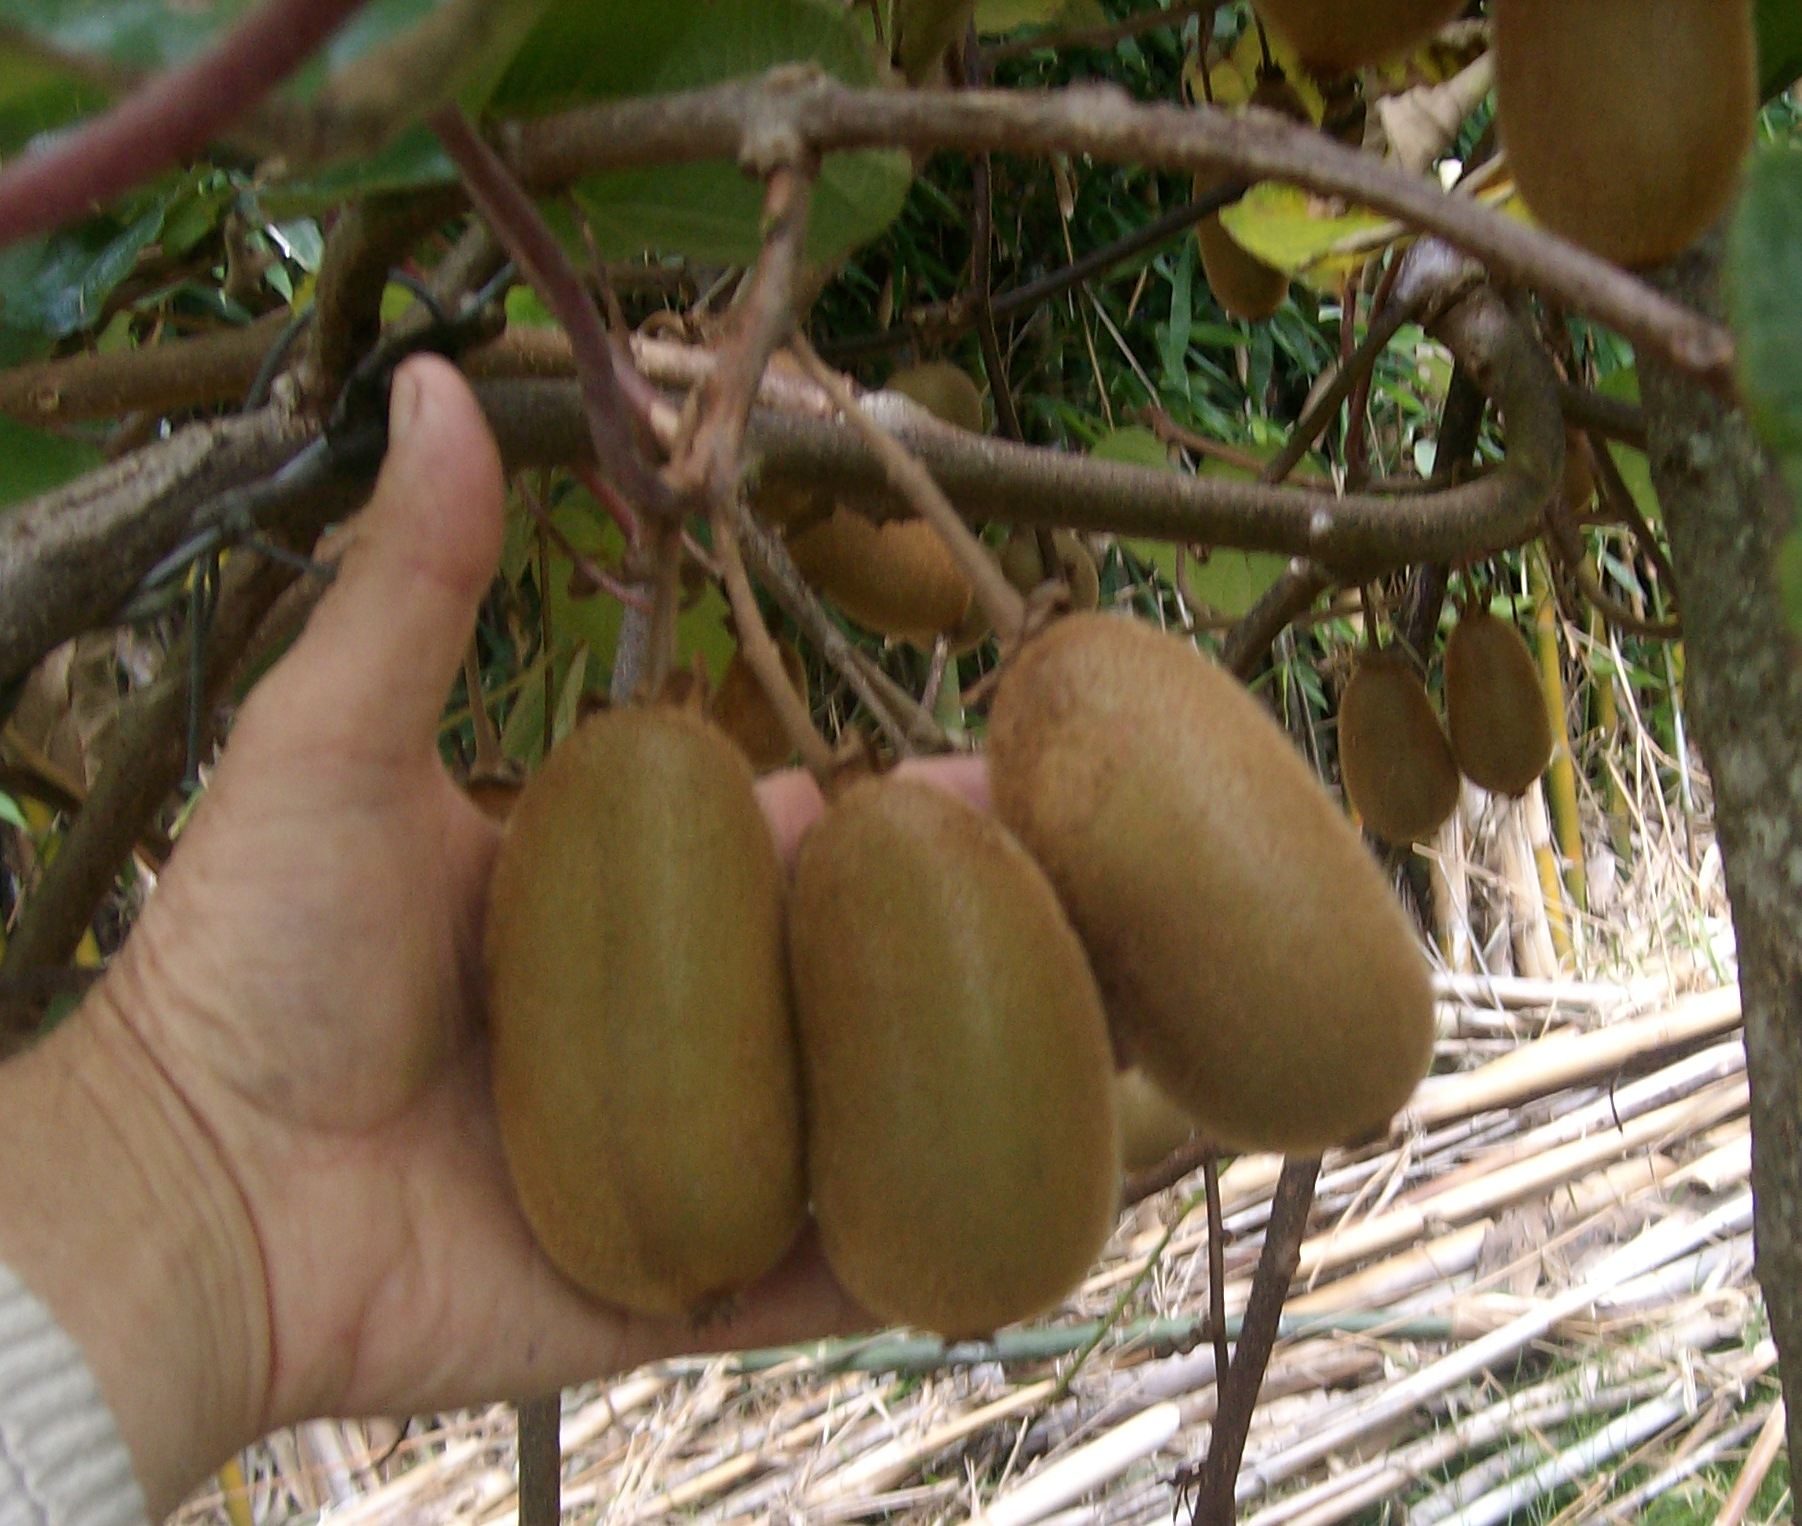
[961, 1136]
[1024, 568]
[645, 1074]
[945, 391]
[1494, 705]
[742, 710]
[1394, 759]
[1625, 122]
[1243, 285]
[897, 577]
[1331, 36]
[1248, 949]
[1151, 1125]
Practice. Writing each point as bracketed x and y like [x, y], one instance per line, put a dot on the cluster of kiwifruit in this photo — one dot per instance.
[1399, 768]
[918, 1037]
[1624, 121]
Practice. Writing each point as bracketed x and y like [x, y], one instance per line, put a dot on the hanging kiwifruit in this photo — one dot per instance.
[1243, 285]
[960, 1121]
[1024, 567]
[1249, 951]
[1331, 36]
[1393, 756]
[945, 391]
[1625, 122]
[742, 709]
[924, 30]
[897, 577]
[1494, 705]
[645, 1075]
[1151, 1125]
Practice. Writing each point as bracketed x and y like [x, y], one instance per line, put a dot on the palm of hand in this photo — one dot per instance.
[308, 977]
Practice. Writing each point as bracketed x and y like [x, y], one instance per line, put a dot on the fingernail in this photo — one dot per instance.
[404, 397]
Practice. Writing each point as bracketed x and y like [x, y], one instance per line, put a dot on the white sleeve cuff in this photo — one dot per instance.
[62, 1460]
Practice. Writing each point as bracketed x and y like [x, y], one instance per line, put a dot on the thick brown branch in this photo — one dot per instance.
[144, 759]
[159, 378]
[1105, 123]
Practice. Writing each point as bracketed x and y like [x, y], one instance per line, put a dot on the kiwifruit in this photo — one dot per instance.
[1024, 567]
[897, 577]
[1578, 484]
[1625, 122]
[1331, 36]
[645, 1075]
[943, 390]
[923, 30]
[1393, 756]
[1249, 951]
[1243, 285]
[960, 1122]
[742, 709]
[1494, 705]
[1151, 1125]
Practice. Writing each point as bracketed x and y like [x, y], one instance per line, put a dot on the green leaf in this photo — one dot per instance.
[581, 51]
[594, 620]
[57, 285]
[1135, 445]
[1779, 45]
[1007, 15]
[1789, 578]
[12, 815]
[33, 461]
[1764, 273]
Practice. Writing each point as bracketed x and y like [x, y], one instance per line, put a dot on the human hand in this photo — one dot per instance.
[301, 1006]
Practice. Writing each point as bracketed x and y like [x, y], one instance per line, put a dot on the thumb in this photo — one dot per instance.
[380, 652]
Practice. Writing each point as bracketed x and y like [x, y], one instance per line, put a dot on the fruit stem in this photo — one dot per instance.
[1003, 607]
[761, 653]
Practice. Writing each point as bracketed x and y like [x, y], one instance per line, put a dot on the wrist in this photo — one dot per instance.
[119, 1212]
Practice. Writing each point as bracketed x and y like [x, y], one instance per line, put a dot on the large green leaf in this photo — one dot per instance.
[1764, 269]
[1006, 15]
[33, 461]
[583, 51]
[1779, 44]
[57, 285]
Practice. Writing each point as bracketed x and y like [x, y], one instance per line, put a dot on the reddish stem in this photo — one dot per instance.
[172, 116]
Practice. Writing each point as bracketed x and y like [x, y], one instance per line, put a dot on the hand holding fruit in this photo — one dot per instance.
[307, 1210]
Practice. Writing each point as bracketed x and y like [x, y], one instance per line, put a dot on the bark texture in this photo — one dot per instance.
[1727, 511]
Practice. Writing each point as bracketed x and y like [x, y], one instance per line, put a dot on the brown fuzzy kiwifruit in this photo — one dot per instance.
[1243, 285]
[1024, 567]
[1393, 756]
[741, 709]
[1248, 948]
[960, 1121]
[1151, 1125]
[1625, 122]
[645, 1076]
[494, 795]
[943, 390]
[897, 577]
[1494, 705]
[1331, 36]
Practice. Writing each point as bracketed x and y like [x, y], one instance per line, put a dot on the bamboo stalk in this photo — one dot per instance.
[1560, 924]
[1086, 1468]
[1561, 774]
[1565, 1059]
[1752, 1475]
[1608, 730]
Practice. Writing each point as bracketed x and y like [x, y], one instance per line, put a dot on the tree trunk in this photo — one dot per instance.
[1727, 511]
